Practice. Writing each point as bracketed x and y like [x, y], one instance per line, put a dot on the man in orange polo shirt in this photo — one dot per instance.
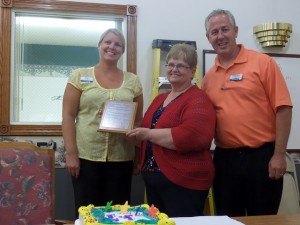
[254, 111]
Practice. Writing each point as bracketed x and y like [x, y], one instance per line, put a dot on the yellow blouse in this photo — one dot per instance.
[101, 146]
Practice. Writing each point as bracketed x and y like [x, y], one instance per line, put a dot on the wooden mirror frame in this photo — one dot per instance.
[7, 129]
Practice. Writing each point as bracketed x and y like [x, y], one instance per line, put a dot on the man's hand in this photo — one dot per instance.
[277, 166]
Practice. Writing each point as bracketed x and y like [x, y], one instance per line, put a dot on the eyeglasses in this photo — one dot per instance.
[178, 66]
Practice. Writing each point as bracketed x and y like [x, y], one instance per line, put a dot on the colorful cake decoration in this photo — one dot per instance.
[153, 211]
[124, 207]
[123, 214]
[107, 207]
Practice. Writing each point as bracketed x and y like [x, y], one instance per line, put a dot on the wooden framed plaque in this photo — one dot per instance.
[118, 116]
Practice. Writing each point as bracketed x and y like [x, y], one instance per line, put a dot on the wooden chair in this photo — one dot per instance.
[63, 222]
[26, 184]
[209, 207]
[290, 194]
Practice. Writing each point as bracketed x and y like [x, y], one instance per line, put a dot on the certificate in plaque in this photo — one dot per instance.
[118, 116]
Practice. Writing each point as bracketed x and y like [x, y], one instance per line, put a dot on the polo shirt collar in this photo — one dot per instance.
[242, 57]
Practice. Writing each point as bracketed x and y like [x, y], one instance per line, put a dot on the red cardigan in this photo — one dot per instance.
[192, 121]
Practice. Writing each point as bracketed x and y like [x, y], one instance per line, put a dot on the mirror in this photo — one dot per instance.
[44, 47]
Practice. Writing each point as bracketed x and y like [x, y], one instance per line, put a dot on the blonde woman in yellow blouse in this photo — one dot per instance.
[99, 162]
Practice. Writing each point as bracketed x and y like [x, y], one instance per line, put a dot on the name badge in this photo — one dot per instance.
[86, 80]
[236, 77]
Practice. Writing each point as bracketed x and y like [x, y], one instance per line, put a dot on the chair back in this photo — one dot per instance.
[26, 184]
[289, 203]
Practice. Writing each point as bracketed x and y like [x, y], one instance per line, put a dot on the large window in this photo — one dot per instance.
[45, 50]
[42, 44]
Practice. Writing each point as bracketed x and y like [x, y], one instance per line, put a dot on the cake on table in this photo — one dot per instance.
[123, 214]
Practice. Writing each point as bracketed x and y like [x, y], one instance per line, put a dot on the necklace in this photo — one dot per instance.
[174, 95]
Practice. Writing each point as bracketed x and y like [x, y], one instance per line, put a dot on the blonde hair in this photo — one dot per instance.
[117, 33]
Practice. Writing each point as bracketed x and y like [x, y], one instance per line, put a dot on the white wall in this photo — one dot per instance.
[184, 20]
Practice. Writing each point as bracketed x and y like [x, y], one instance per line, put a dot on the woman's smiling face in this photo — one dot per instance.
[110, 48]
[179, 72]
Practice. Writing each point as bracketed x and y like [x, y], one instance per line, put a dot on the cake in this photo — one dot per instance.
[122, 214]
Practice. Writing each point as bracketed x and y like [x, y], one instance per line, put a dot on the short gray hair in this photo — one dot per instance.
[117, 33]
[184, 52]
[217, 12]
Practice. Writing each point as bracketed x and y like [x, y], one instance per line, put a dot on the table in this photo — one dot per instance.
[293, 219]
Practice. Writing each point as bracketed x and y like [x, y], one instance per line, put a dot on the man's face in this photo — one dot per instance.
[222, 35]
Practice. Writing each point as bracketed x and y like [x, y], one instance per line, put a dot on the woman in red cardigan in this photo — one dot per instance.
[176, 135]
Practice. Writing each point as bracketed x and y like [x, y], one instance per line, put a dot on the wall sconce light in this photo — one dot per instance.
[273, 34]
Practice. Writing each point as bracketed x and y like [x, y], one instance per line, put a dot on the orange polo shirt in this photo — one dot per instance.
[245, 96]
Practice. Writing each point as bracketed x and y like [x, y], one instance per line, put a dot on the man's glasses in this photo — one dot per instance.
[178, 66]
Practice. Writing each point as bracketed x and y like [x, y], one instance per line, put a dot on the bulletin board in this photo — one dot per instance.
[290, 67]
